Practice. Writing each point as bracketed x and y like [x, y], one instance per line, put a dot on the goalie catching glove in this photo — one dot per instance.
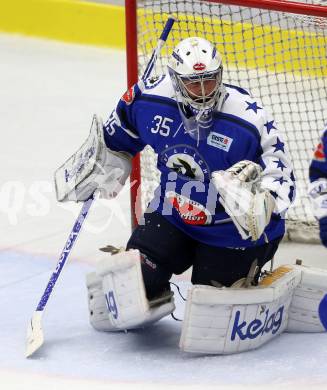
[93, 167]
[249, 206]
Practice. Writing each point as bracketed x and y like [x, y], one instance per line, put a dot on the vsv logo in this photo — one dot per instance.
[111, 304]
[256, 328]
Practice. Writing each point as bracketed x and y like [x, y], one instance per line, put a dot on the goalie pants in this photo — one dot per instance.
[166, 250]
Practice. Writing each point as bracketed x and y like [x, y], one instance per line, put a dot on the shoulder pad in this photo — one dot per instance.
[161, 86]
[131, 93]
[324, 137]
[319, 154]
[238, 89]
[245, 107]
[152, 82]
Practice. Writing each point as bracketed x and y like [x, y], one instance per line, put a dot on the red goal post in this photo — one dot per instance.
[275, 48]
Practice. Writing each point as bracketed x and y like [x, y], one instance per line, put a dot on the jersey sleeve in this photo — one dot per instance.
[120, 131]
[318, 166]
[277, 175]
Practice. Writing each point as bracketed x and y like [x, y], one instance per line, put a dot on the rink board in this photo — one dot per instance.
[104, 25]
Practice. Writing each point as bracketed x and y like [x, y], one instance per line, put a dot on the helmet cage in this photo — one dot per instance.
[204, 99]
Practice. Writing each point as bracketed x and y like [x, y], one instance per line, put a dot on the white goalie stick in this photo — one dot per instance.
[35, 335]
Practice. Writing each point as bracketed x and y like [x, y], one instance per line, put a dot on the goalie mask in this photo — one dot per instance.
[195, 68]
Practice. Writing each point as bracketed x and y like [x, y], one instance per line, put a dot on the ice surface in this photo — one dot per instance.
[48, 93]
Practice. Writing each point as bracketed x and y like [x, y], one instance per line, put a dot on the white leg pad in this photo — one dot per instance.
[124, 293]
[308, 310]
[231, 320]
[98, 310]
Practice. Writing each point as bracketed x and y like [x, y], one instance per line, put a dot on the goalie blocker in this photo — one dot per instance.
[92, 167]
[217, 320]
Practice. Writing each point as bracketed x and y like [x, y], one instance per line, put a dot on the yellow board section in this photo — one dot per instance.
[247, 45]
[65, 20]
[244, 45]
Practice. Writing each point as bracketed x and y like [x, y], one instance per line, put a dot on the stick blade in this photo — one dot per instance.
[35, 336]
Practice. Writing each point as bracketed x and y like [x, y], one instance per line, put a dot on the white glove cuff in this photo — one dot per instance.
[318, 194]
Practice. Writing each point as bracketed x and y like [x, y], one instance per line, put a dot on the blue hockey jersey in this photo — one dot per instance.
[318, 166]
[148, 114]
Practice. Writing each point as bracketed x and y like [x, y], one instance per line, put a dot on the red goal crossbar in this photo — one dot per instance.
[278, 5]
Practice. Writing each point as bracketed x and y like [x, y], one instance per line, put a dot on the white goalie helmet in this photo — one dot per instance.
[195, 68]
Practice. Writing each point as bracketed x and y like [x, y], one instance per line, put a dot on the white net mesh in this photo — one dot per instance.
[279, 57]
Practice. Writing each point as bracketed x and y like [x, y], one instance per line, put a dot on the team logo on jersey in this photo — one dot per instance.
[129, 96]
[186, 162]
[191, 212]
[219, 141]
[319, 154]
[182, 167]
[199, 66]
[153, 81]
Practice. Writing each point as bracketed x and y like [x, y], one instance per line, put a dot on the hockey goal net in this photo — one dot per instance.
[275, 49]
